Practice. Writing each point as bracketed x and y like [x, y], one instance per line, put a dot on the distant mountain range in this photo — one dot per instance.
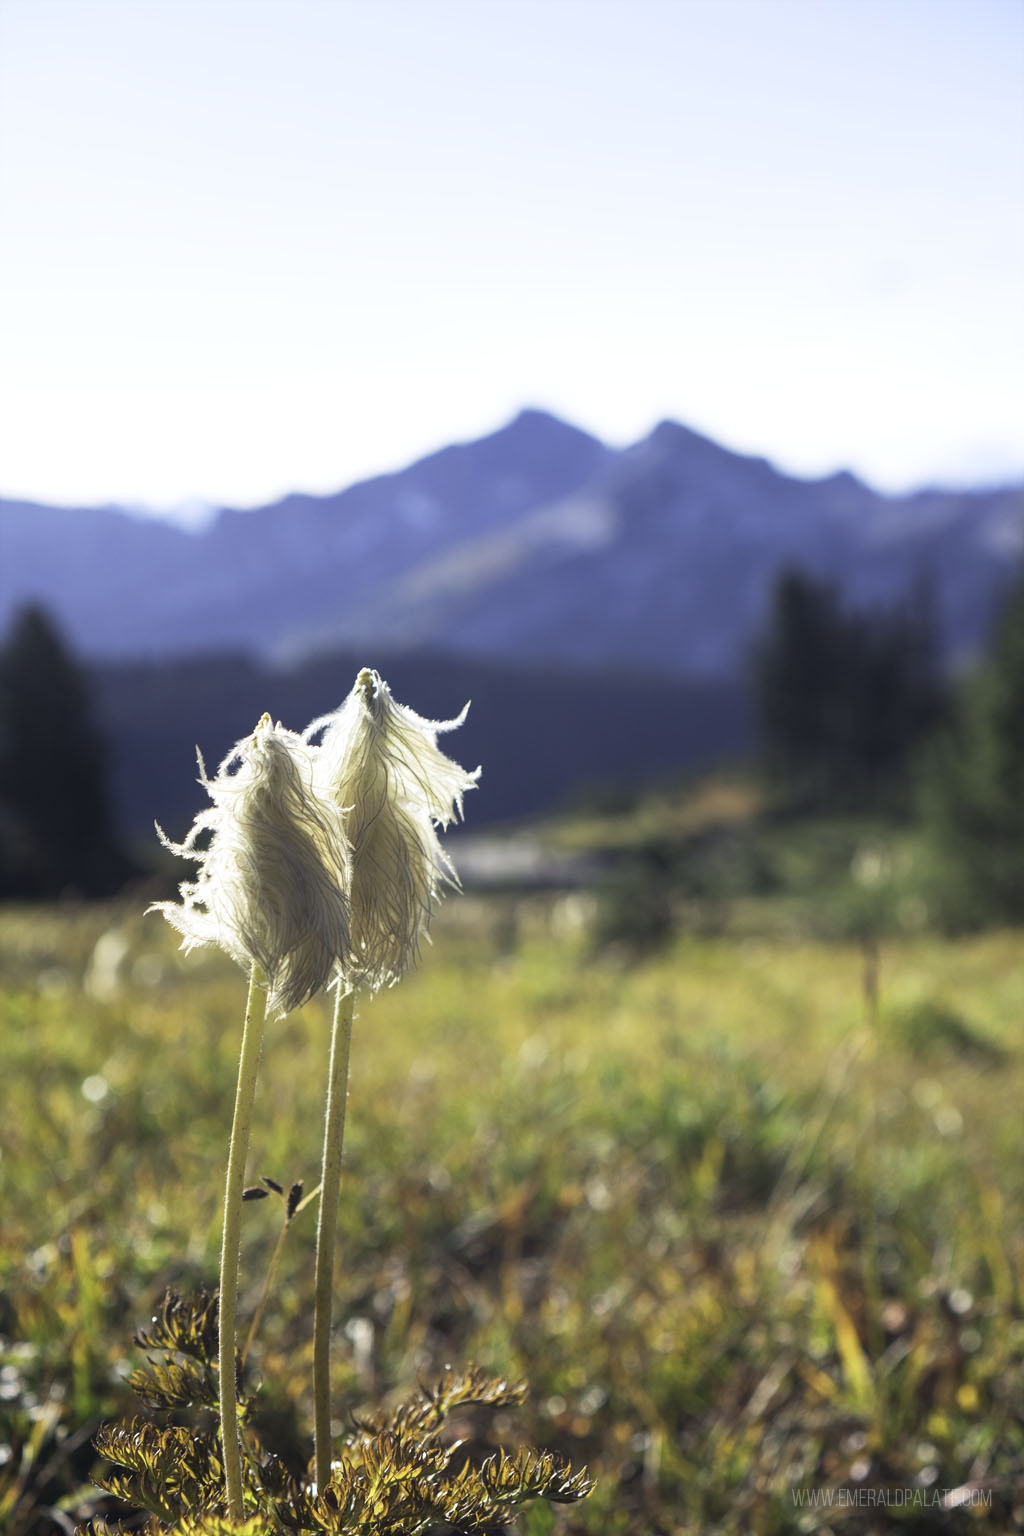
[537, 545]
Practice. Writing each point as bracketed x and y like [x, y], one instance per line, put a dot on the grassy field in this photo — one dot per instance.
[748, 1214]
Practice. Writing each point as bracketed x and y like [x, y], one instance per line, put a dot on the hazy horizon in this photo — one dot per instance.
[196, 513]
[250, 249]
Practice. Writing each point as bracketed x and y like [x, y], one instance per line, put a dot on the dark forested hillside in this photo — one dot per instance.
[540, 734]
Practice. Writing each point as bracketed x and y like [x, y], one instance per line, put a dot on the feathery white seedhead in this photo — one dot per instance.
[380, 765]
[273, 875]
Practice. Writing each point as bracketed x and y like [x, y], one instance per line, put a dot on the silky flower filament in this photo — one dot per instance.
[272, 888]
[380, 765]
[322, 866]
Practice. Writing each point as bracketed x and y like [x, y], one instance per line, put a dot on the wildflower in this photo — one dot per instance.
[272, 892]
[273, 877]
[379, 763]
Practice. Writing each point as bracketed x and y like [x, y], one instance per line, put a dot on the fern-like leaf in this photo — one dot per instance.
[185, 1325]
[534, 1475]
[173, 1384]
[169, 1471]
[426, 1412]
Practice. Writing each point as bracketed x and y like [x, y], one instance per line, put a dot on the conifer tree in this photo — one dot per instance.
[844, 698]
[973, 784]
[56, 830]
[800, 703]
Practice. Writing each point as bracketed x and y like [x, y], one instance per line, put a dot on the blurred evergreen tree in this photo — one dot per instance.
[799, 705]
[843, 699]
[973, 781]
[56, 830]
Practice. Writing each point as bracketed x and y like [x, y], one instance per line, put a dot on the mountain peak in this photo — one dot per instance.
[536, 427]
[545, 449]
[673, 435]
[536, 415]
[671, 438]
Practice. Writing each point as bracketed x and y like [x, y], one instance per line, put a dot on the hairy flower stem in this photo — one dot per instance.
[334, 1136]
[252, 1036]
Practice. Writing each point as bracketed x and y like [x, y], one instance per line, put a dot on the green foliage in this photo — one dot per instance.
[826, 877]
[55, 823]
[392, 1475]
[636, 903]
[183, 1326]
[973, 783]
[186, 1332]
[660, 1192]
[843, 698]
[930, 1028]
[169, 1471]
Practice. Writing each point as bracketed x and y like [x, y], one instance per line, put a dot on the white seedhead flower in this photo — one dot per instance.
[380, 765]
[273, 874]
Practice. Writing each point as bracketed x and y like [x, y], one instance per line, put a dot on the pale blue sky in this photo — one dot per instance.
[250, 246]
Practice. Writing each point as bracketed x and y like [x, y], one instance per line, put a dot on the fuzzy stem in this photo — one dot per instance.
[252, 1036]
[334, 1135]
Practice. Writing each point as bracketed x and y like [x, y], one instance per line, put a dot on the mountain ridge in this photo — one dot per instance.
[535, 543]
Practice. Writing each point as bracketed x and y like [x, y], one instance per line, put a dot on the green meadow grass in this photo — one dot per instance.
[752, 1241]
